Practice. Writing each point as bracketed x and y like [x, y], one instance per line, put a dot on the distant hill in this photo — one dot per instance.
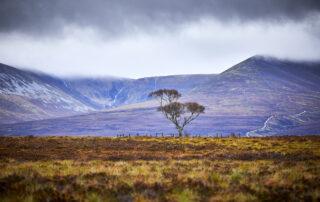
[26, 95]
[259, 96]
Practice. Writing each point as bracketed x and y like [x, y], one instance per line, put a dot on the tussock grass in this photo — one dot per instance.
[159, 169]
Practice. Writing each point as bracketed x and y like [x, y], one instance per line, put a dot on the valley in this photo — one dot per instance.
[239, 100]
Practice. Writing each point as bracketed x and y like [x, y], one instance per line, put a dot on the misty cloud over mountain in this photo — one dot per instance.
[259, 96]
[124, 37]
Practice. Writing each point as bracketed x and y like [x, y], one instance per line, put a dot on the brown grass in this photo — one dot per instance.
[159, 169]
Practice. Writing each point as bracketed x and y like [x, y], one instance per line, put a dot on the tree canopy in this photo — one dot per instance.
[180, 114]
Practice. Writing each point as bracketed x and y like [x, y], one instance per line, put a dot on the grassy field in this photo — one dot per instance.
[159, 169]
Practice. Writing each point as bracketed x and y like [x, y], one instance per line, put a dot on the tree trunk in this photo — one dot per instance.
[180, 131]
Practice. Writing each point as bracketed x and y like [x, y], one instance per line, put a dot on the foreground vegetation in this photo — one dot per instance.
[159, 169]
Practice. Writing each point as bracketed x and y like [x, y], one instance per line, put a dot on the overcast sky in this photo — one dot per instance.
[138, 38]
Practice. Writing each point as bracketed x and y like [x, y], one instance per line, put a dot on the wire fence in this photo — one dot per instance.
[126, 135]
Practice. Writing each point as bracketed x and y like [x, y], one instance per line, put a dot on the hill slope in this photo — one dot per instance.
[27, 95]
[241, 99]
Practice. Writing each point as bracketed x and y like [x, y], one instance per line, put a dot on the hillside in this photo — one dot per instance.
[26, 95]
[259, 96]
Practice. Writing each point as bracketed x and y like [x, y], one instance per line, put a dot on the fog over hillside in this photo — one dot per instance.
[86, 67]
[159, 100]
[144, 38]
[259, 96]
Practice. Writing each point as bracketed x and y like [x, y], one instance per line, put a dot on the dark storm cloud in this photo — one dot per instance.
[117, 16]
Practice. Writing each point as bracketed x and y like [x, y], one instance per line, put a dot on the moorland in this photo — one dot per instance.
[159, 169]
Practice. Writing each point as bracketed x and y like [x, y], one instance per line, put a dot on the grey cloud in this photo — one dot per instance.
[118, 16]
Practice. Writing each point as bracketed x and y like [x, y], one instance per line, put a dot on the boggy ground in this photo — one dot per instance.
[159, 169]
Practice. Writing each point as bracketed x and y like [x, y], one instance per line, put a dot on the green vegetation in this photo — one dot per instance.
[159, 169]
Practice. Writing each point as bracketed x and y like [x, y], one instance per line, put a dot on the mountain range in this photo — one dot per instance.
[258, 97]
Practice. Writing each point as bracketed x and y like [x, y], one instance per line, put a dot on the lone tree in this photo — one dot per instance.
[180, 114]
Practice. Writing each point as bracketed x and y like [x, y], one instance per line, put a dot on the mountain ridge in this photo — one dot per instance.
[257, 87]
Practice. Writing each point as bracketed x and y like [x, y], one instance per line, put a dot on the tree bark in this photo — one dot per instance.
[180, 131]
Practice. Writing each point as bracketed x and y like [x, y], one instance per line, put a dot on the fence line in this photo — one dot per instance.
[176, 135]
